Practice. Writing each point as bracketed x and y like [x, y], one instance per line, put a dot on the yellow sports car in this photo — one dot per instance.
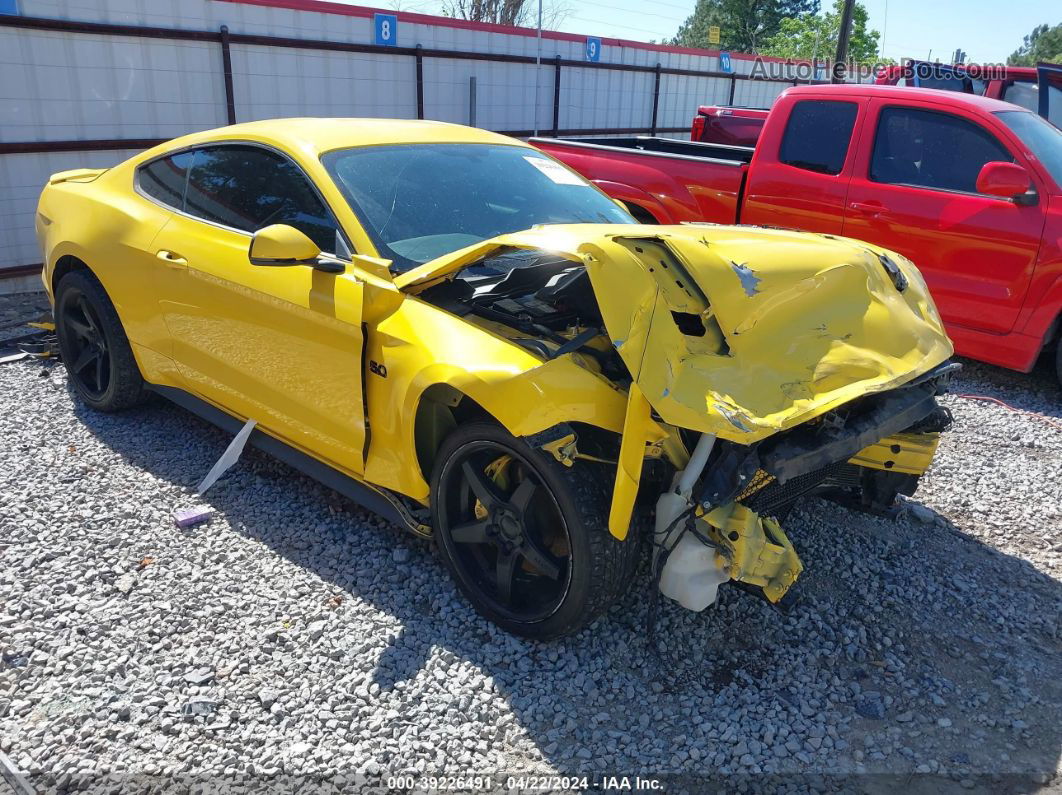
[462, 334]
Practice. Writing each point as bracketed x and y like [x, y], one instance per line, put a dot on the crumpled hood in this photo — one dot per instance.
[741, 331]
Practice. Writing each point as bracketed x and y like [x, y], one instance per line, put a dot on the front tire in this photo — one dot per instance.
[93, 345]
[525, 537]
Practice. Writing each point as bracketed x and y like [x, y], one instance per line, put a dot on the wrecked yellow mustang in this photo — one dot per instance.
[462, 334]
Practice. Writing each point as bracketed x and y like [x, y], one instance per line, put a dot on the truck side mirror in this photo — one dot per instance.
[1005, 180]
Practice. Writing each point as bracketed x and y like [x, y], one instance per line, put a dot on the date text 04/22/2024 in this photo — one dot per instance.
[525, 783]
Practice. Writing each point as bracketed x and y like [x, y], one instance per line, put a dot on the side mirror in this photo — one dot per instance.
[1005, 180]
[281, 244]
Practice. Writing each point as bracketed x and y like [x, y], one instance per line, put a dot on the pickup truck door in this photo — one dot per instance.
[282, 344]
[1042, 95]
[914, 191]
[799, 175]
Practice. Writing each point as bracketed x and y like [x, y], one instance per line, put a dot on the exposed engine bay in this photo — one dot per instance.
[546, 297]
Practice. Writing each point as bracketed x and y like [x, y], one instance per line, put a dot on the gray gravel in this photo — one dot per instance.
[295, 636]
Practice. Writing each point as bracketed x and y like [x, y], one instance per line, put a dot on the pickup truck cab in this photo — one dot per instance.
[1038, 89]
[968, 188]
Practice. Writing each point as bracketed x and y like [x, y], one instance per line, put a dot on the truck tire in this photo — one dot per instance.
[93, 345]
[526, 538]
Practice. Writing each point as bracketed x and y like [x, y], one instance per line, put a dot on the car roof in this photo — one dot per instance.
[953, 99]
[314, 136]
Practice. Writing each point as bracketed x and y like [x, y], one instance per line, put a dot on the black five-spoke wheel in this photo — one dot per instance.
[510, 537]
[525, 536]
[90, 360]
[93, 344]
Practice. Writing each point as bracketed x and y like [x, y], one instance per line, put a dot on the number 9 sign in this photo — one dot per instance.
[386, 30]
[593, 49]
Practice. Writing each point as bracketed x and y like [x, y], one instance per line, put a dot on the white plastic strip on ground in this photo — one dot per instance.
[228, 458]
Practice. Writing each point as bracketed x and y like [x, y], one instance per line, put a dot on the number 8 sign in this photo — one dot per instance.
[386, 29]
[593, 48]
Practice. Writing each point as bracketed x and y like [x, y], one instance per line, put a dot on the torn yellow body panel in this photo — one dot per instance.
[910, 453]
[636, 432]
[743, 332]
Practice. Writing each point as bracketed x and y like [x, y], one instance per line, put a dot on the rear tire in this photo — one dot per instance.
[93, 345]
[542, 529]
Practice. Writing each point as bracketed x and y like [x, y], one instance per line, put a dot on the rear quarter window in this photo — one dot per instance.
[164, 179]
[817, 135]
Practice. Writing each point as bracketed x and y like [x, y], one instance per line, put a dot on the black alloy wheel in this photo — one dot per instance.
[510, 541]
[524, 536]
[85, 351]
[92, 342]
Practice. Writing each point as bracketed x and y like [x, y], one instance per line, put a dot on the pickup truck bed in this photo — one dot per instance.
[676, 180]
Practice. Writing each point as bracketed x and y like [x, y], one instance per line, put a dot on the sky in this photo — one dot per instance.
[987, 30]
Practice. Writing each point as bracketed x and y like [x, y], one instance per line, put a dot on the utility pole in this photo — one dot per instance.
[538, 64]
[842, 43]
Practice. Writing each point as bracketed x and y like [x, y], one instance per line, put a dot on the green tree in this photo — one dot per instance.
[1043, 44]
[744, 24]
[815, 36]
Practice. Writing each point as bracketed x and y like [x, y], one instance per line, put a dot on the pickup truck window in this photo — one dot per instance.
[931, 150]
[817, 135]
[1027, 94]
[1042, 139]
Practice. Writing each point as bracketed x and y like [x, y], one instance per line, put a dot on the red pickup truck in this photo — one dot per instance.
[1038, 89]
[969, 188]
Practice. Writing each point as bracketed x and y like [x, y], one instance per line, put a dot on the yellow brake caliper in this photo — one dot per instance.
[498, 471]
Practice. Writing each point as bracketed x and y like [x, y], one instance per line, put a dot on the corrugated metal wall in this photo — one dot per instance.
[63, 86]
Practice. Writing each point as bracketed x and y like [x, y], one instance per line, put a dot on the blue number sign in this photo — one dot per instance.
[386, 29]
[593, 49]
[724, 62]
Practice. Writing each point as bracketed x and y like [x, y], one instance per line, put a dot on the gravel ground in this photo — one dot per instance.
[296, 640]
[16, 310]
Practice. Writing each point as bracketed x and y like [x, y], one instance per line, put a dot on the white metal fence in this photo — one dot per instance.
[89, 82]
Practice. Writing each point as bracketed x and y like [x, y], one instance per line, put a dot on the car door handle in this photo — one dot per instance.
[867, 208]
[171, 258]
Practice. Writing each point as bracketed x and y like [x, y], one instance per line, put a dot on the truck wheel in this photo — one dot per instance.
[92, 342]
[526, 538]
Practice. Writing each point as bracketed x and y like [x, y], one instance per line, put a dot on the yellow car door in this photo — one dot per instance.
[279, 344]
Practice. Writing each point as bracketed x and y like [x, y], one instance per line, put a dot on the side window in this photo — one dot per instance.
[1023, 93]
[931, 150]
[1027, 95]
[164, 179]
[817, 135]
[248, 188]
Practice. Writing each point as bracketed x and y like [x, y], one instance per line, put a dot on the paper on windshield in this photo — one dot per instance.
[555, 171]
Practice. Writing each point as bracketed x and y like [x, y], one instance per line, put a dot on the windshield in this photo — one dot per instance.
[1042, 138]
[421, 201]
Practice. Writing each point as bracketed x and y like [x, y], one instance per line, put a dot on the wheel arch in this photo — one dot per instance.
[520, 404]
[67, 263]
